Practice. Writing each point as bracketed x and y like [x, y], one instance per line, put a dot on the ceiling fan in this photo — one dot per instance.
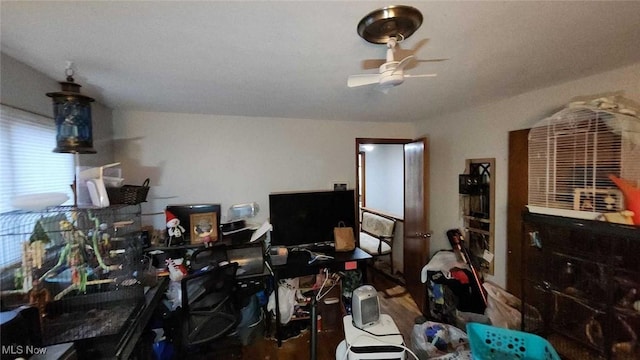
[389, 25]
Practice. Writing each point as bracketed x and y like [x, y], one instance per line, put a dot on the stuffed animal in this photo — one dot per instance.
[174, 229]
[176, 269]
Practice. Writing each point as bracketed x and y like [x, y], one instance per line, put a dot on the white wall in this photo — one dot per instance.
[228, 160]
[384, 166]
[198, 158]
[25, 88]
[482, 132]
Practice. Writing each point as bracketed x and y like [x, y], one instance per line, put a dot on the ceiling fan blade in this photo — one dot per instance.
[404, 62]
[363, 79]
[372, 63]
[420, 75]
[369, 64]
[431, 60]
[402, 53]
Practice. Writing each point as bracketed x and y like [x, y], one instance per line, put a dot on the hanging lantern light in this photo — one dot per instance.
[72, 114]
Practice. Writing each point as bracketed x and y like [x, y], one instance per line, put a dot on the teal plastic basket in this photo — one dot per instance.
[493, 343]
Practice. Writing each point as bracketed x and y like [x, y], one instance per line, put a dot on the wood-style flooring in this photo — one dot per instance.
[394, 300]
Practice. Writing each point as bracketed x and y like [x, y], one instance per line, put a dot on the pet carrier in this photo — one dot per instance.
[573, 152]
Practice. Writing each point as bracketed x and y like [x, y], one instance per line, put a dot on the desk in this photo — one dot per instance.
[298, 265]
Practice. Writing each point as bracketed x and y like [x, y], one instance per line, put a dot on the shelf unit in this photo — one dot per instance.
[477, 192]
[583, 277]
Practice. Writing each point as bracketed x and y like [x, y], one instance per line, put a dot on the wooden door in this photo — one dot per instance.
[416, 222]
[516, 201]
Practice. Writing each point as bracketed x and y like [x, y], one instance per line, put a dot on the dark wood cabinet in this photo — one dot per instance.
[582, 277]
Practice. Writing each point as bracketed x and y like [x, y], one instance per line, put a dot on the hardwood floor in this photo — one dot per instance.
[394, 300]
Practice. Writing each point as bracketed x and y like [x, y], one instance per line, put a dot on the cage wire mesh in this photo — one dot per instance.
[78, 266]
[573, 152]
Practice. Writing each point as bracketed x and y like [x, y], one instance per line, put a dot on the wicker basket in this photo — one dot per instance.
[129, 194]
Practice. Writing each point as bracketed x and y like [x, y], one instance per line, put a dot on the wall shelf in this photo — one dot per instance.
[477, 192]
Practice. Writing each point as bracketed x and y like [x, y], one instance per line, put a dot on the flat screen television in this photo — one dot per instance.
[305, 219]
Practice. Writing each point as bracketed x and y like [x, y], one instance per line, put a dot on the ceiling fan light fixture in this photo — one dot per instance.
[396, 21]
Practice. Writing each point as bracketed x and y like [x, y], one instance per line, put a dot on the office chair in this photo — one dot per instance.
[208, 313]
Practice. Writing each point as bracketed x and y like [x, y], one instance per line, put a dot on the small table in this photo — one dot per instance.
[298, 265]
[382, 339]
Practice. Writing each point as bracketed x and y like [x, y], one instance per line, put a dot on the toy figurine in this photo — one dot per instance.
[74, 254]
[77, 255]
[176, 269]
[174, 228]
[205, 233]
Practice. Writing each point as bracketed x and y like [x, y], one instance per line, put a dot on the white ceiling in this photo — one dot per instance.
[292, 59]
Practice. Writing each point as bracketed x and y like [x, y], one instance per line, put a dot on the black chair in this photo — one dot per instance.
[208, 314]
[208, 257]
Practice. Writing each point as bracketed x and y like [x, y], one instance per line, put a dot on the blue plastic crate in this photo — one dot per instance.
[490, 342]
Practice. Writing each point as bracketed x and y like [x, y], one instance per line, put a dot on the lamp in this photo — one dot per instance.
[72, 114]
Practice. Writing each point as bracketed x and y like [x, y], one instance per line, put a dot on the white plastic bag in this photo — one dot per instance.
[288, 296]
[437, 341]
[502, 307]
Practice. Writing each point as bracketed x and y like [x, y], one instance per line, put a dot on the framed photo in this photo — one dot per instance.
[204, 228]
[189, 216]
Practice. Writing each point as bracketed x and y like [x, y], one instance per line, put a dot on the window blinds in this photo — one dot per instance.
[27, 163]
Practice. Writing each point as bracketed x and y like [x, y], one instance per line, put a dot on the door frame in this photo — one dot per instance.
[417, 293]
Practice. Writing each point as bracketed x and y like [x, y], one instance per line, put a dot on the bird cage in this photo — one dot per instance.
[572, 154]
[78, 267]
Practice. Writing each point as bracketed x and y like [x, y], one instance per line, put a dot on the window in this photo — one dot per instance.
[28, 166]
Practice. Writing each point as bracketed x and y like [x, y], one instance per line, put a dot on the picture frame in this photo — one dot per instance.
[184, 214]
[204, 228]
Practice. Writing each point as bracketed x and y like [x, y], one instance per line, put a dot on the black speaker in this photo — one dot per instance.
[365, 307]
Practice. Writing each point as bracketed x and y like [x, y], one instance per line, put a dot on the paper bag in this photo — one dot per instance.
[344, 238]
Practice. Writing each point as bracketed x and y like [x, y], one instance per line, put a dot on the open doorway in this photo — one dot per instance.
[411, 235]
[380, 189]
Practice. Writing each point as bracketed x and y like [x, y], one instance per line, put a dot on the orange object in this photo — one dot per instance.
[631, 196]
